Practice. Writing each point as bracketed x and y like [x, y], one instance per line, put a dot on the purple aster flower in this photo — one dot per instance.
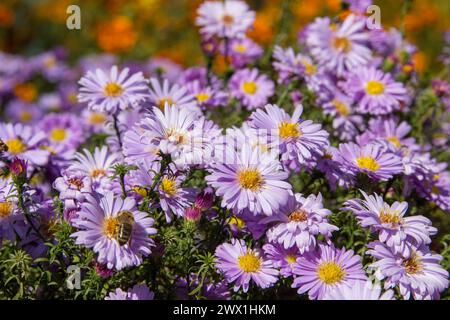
[138, 292]
[418, 275]
[94, 121]
[180, 133]
[162, 94]
[373, 160]
[288, 64]
[360, 290]
[224, 19]
[97, 61]
[402, 234]
[108, 93]
[340, 48]
[9, 210]
[24, 142]
[298, 140]
[64, 133]
[242, 52]
[249, 180]
[207, 96]
[240, 264]
[329, 165]
[97, 166]
[251, 88]
[299, 222]
[23, 112]
[73, 186]
[247, 223]
[374, 91]
[326, 269]
[281, 258]
[359, 6]
[345, 121]
[163, 68]
[100, 221]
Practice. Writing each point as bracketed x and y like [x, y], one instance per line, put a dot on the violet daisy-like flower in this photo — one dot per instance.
[97, 166]
[288, 64]
[24, 142]
[73, 185]
[240, 264]
[180, 133]
[298, 140]
[251, 180]
[375, 91]
[165, 93]
[418, 275]
[210, 290]
[100, 222]
[325, 269]
[242, 52]
[109, 92]
[402, 234]
[360, 290]
[281, 258]
[207, 96]
[339, 48]
[229, 18]
[138, 292]
[251, 88]
[9, 210]
[299, 222]
[373, 160]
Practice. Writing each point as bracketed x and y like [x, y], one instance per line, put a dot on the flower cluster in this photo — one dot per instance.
[315, 172]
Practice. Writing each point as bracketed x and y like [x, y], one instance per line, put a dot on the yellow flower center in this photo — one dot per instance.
[309, 67]
[234, 220]
[390, 217]
[113, 89]
[250, 179]
[298, 215]
[368, 163]
[249, 87]
[98, 173]
[16, 146]
[58, 134]
[169, 186]
[291, 258]
[374, 87]
[394, 141]
[202, 97]
[162, 102]
[330, 272]
[6, 209]
[240, 48]
[342, 44]
[140, 191]
[110, 227]
[341, 107]
[288, 130]
[413, 264]
[249, 262]
[97, 118]
[227, 19]
[25, 116]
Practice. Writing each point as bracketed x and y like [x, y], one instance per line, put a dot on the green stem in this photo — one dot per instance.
[116, 128]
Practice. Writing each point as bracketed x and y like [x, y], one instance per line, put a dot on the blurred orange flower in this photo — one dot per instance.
[117, 35]
[6, 16]
[26, 92]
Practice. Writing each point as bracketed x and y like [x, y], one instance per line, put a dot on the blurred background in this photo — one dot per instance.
[140, 29]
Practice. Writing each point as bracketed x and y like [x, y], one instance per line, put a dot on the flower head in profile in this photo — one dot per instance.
[176, 95]
[417, 275]
[375, 91]
[249, 179]
[339, 48]
[372, 159]
[229, 18]
[400, 233]
[242, 52]
[360, 290]
[289, 65]
[325, 269]
[138, 292]
[251, 88]
[113, 91]
[240, 265]
[299, 222]
[299, 140]
[115, 230]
